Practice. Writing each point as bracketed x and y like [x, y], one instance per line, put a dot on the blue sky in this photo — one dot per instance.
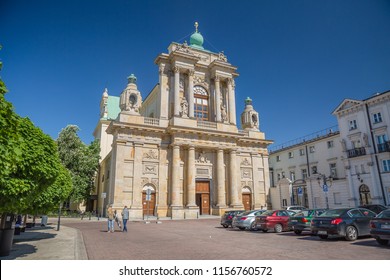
[297, 59]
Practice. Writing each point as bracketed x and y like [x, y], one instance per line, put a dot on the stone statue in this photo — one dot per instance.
[184, 107]
[223, 113]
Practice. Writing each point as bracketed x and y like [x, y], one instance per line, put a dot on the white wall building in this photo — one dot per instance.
[354, 160]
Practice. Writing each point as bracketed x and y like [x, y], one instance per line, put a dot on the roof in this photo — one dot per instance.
[113, 107]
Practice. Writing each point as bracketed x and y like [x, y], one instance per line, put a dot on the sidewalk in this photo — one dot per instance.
[46, 243]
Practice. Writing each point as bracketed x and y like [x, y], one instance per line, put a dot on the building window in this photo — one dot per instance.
[290, 154]
[201, 104]
[352, 125]
[283, 175]
[292, 175]
[330, 144]
[279, 177]
[312, 149]
[277, 158]
[304, 174]
[333, 170]
[382, 143]
[377, 118]
[386, 165]
[314, 169]
[301, 152]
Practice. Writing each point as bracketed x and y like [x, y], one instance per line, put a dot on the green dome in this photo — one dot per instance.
[196, 40]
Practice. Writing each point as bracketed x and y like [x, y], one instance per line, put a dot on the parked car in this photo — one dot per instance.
[380, 227]
[301, 220]
[377, 208]
[246, 220]
[227, 217]
[274, 219]
[347, 222]
[296, 208]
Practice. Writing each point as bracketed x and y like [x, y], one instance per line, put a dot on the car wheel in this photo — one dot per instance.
[253, 226]
[351, 233]
[382, 241]
[241, 228]
[278, 228]
[297, 231]
[323, 236]
[225, 226]
[264, 230]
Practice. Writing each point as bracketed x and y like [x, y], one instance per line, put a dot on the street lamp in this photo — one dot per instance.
[325, 183]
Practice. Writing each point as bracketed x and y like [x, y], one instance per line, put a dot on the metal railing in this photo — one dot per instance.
[384, 147]
[356, 152]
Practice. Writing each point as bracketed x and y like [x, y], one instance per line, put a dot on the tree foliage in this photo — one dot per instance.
[81, 160]
[30, 168]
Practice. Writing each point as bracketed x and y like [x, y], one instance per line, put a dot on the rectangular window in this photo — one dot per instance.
[277, 158]
[292, 175]
[330, 144]
[352, 125]
[290, 154]
[377, 118]
[312, 149]
[333, 170]
[304, 174]
[314, 169]
[301, 152]
[279, 177]
[386, 165]
[283, 175]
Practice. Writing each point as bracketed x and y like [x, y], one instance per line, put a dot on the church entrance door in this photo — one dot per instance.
[148, 206]
[246, 200]
[203, 197]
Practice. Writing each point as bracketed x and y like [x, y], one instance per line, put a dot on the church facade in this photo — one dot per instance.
[178, 152]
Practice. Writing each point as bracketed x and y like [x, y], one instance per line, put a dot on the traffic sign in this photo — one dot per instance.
[325, 188]
[300, 191]
[103, 195]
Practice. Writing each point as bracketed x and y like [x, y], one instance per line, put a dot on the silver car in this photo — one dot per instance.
[246, 220]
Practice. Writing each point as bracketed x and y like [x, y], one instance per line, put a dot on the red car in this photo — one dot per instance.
[274, 219]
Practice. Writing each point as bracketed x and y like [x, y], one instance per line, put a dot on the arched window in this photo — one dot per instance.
[201, 103]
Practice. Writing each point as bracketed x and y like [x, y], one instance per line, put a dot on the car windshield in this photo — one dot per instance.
[384, 214]
[303, 213]
[268, 213]
[333, 213]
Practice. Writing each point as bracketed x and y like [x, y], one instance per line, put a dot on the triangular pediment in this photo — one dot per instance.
[346, 104]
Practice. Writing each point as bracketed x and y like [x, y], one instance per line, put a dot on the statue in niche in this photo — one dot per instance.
[184, 107]
[223, 113]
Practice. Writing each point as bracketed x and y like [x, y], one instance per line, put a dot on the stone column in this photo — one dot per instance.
[191, 93]
[232, 102]
[175, 187]
[221, 202]
[164, 97]
[191, 177]
[234, 200]
[176, 92]
[217, 99]
[136, 207]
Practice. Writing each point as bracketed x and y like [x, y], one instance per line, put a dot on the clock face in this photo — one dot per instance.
[133, 99]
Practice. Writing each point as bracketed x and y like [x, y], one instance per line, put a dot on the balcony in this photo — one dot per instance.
[152, 121]
[384, 147]
[356, 152]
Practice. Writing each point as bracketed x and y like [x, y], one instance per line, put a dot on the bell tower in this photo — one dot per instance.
[249, 118]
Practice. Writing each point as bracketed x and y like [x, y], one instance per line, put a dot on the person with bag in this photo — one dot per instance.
[117, 220]
[125, 218]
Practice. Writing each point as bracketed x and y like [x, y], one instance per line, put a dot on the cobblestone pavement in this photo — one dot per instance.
[206, 239]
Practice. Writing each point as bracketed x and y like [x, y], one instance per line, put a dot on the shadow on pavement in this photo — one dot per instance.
[20, 250]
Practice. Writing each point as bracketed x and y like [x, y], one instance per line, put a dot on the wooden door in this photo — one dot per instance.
[148, 206]
[203, 197]
[205, 206]
[246, 200]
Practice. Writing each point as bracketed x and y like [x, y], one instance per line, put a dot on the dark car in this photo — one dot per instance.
[349, 223]
[301, 220]
[274, 219]
[377, 208]
[227, 217]
[380, 227]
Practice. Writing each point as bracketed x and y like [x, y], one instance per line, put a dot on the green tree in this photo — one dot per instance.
[81, 160]
[29, 163]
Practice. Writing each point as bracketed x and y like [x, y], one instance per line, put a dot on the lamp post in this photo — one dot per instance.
[326, 184]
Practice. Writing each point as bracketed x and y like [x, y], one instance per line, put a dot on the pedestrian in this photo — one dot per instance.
[117, 220]
[111, 218]
[125, 217]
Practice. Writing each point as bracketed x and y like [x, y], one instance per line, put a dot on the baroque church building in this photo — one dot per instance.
[178, 152]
